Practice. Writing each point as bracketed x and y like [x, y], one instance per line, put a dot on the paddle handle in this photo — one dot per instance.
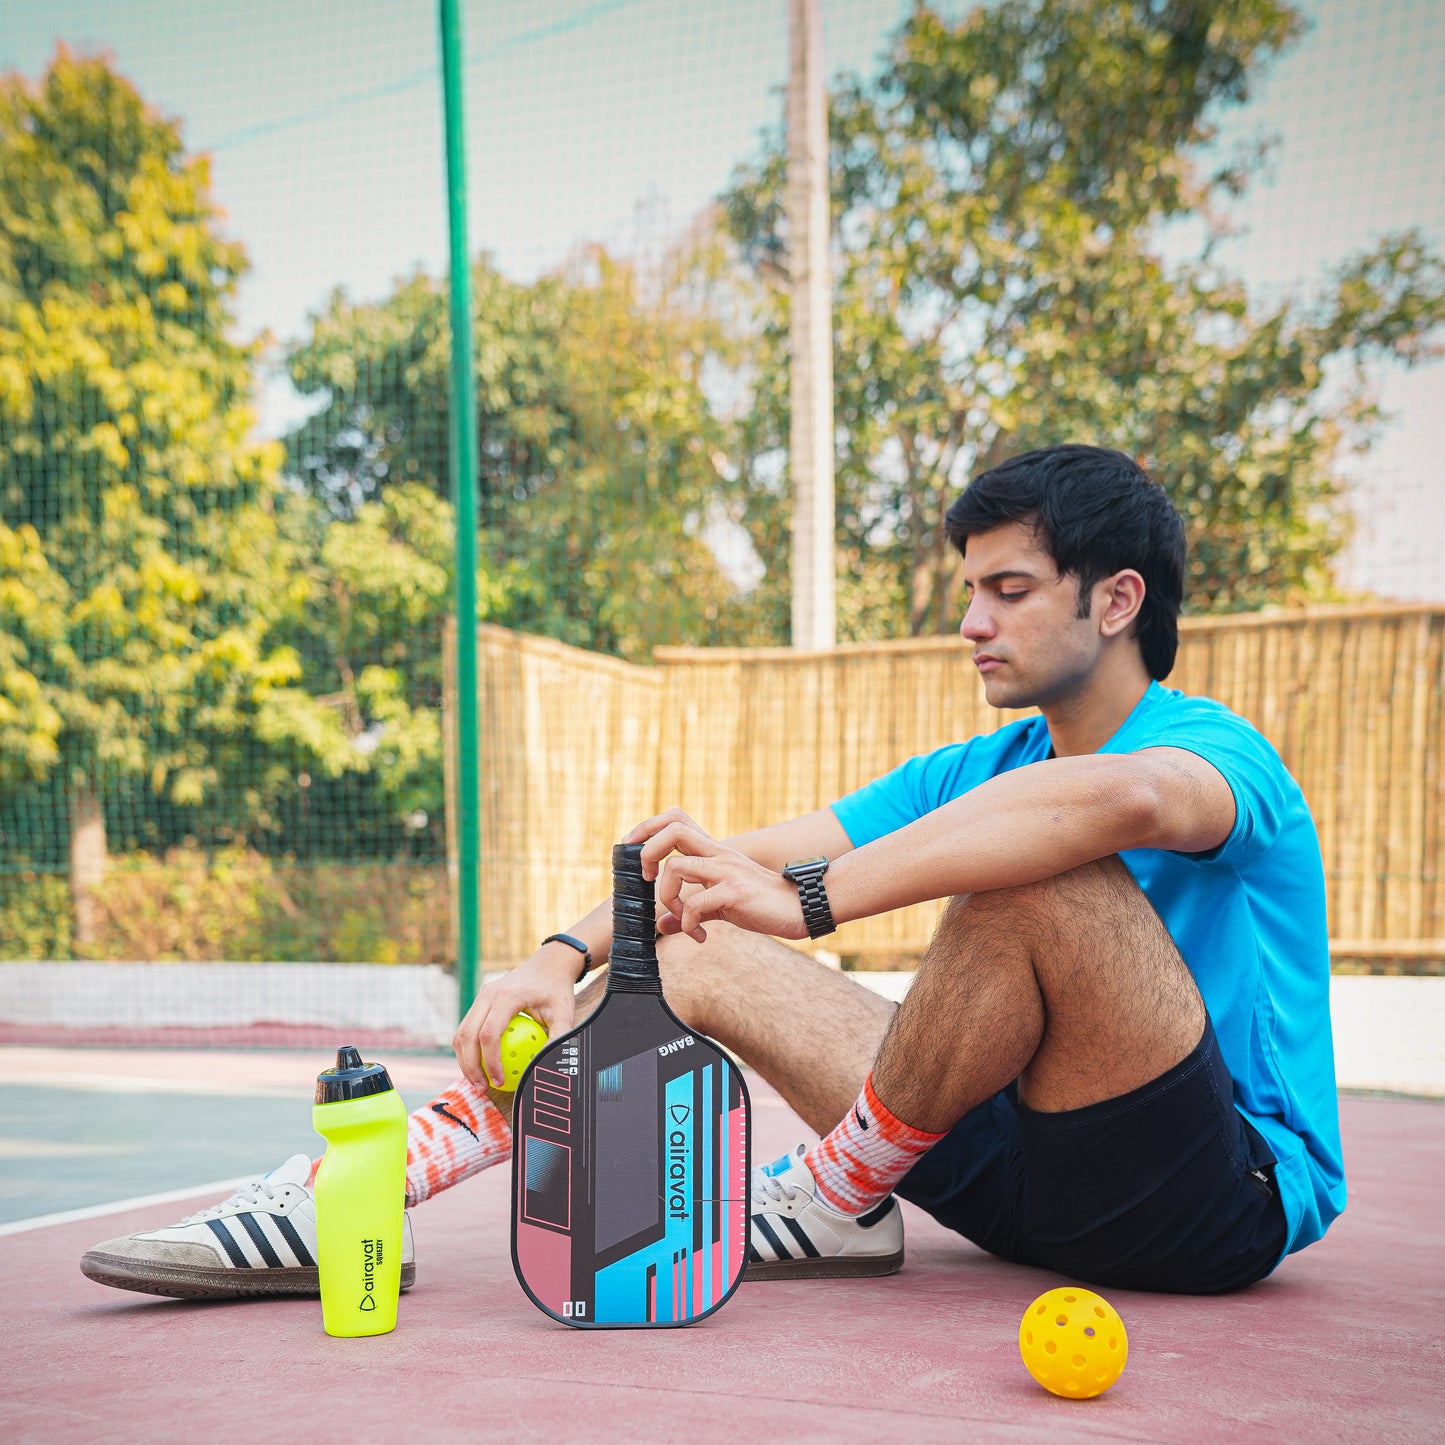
[632, 967]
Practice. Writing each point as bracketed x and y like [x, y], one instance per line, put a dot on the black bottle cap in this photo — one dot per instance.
[351, 1079]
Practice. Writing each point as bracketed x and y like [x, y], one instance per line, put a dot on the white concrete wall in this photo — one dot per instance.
[421, 1000]
[1389, 1032]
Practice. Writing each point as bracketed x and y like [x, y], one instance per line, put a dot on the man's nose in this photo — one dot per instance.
[976, 624]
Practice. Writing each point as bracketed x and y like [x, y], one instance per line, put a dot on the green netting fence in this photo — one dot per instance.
[227, 546]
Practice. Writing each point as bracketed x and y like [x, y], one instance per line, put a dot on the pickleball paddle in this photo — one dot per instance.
[630, 1161]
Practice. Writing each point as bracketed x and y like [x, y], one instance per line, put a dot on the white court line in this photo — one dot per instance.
[139, 1084]
[220, 1188]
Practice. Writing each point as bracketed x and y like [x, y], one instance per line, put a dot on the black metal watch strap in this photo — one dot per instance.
[578, 945]
[807, 875]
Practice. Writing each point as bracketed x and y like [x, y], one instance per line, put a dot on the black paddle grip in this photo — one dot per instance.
[632, 967]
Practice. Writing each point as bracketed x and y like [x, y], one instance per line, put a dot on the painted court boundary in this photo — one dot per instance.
[219, 1187]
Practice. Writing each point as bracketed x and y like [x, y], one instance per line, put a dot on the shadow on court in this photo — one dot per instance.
[1346, 1341]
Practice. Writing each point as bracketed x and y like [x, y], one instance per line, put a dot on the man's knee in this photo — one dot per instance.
[1090, 890]
[696, 977]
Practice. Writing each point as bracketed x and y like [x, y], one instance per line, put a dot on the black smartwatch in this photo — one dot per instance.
[807, 874]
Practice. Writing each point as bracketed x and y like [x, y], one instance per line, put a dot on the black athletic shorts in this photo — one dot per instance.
[1167, 1187]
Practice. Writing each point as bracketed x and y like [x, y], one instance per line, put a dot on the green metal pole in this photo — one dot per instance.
[463, 457]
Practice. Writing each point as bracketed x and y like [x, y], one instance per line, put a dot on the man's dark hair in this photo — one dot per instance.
[1097, 512]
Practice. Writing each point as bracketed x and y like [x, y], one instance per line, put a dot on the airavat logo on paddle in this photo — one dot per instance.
[677, 1150]
[371, 1255]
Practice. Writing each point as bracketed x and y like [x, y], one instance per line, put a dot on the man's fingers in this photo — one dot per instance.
[677, 853]
[683, 836]
[643, 831]
[505, 1007]
[489, 1041]
[556, 1013]
[478, 1042]
[705, 902]
[465, 1043]
[478, 1039]
[680, 870]
[699, 908]
[557, 1017]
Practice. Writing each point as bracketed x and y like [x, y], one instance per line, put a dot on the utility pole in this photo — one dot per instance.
[811, 336]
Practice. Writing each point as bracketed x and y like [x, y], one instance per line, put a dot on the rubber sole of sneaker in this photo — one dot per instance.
[858, 1268]
[179, 1282]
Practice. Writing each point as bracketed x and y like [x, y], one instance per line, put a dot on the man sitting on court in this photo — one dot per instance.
[1115, 1058]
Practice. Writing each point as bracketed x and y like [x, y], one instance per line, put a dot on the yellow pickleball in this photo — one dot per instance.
[522, 1041]
[1073, 1342]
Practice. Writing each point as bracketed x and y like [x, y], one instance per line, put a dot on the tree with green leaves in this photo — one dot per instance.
[600, 447]
[1002, 193]
[144, 572]
[355, 743]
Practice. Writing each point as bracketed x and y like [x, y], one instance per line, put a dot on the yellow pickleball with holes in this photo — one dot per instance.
[1073, 1342]
[522, 1041]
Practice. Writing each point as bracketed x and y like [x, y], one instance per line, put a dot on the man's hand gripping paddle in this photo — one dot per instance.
[630, 1166]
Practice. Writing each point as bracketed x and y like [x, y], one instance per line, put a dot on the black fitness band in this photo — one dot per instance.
[573, 943]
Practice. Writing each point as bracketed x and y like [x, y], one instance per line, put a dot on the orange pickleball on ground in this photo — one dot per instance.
[1073, 1342]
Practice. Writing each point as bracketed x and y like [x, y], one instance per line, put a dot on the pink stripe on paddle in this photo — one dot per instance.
[737, 1207]
[545, 1258]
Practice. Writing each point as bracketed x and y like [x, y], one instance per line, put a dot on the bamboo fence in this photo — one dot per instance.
[577, 747]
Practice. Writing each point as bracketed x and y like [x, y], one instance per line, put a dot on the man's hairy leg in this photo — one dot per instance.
[1071, 985]
[810, 1031]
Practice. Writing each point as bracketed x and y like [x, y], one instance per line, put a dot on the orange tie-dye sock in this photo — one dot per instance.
[858, 1164]
[458, 1134]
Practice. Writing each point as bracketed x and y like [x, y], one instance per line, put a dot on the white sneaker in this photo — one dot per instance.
[260, 1241]
[795, 1235]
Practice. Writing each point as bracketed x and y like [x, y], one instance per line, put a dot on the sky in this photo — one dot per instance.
[618, 120]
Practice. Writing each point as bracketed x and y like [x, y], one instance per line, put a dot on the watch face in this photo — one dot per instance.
[804, 865]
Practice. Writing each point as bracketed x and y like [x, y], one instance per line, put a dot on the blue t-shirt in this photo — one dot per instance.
[1248, 918]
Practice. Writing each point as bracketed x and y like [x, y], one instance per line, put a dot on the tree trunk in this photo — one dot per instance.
[87, 861]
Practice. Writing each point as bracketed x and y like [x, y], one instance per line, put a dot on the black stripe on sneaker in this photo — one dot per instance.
[867, 1221]
[258, 1237]
[234, 1250]
[288, 1233]
[766, 1230]
[753, 1256]
[796, 1230]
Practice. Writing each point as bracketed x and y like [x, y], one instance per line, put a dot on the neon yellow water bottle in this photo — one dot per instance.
[360, 1195]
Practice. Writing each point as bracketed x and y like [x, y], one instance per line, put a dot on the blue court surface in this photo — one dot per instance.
[85, 1128]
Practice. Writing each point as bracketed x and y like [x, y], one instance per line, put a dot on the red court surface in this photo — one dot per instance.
[1346, 1342]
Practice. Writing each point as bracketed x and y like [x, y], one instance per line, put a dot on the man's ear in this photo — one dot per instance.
[1119, 599]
